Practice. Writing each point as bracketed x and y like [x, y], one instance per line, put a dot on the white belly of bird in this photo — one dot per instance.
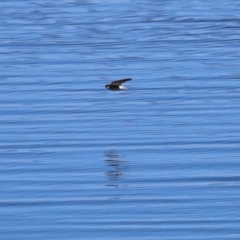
[122, 88]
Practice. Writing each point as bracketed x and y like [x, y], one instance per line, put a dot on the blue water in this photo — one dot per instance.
[158, 161]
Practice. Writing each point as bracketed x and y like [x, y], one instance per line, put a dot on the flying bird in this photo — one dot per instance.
[116, 85]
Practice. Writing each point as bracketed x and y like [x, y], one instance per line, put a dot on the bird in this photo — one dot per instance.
[116, 85]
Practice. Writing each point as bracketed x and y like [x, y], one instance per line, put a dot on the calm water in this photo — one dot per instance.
[159, 161]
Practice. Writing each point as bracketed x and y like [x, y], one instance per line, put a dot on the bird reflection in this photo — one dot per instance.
[117, 167]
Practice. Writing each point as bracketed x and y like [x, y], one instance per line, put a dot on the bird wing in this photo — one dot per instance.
[119, 82]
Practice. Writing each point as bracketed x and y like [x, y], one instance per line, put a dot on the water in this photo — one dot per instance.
[159, 161]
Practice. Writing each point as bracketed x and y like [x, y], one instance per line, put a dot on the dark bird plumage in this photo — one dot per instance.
[117, 85]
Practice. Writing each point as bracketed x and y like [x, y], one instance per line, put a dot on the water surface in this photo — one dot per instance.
[159, 161]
